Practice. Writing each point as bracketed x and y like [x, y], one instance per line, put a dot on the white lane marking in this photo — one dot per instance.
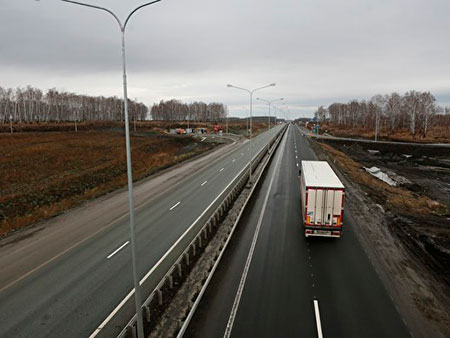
[142, 281]
[203, 138]
[204, 183]
[117, 250]
[242, 154]
[296, 156]
[234, 160]
[319, 325]
[221, 169]
[237, 299]
[174, 206]
[297, 164]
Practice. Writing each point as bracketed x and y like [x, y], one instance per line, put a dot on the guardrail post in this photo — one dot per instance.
[186, 256]
[131, 331]
[179, 270]
[160, 298]
[147, 313]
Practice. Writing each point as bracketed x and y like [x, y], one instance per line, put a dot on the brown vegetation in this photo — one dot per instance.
[238, 127]
[395, 197]
[389, 114]
[43, 174]
[436, 134]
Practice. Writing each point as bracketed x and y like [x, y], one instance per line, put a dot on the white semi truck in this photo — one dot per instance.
[322, 198]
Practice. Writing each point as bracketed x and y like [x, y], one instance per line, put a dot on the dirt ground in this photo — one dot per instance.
[45, 173]
[416, 212]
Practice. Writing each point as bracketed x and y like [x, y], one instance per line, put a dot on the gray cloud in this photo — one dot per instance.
[317, 51]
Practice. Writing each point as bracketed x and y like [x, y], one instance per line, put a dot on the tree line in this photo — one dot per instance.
[29, 105]
[175, 110]
[415, 111]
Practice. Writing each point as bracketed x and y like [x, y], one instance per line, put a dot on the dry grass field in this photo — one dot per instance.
[45, 173]
[436, 134]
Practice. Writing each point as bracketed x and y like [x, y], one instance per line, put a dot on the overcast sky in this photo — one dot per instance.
[316, 51]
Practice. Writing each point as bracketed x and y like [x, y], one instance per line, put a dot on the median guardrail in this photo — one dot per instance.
[159, 284]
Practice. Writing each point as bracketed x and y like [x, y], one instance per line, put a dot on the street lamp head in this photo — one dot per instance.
[272, 85]
[281, 99]
[228, 85]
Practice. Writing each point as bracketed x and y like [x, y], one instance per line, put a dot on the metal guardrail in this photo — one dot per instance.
[159, 283]
[222, 249]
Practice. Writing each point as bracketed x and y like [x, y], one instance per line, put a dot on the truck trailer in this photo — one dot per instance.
[322, 200]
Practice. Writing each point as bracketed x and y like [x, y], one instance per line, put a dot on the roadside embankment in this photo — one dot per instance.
[44, 174]
[406, 225]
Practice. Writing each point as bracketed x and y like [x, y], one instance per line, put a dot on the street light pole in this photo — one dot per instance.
[138, 301]
[250, 92]
[269, 104]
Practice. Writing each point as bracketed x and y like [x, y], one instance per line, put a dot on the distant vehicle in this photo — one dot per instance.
[217, 128]
[180, 131]
[322, 198]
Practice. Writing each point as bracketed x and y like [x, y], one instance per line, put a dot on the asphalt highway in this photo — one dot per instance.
[71, 295]
[273, 282]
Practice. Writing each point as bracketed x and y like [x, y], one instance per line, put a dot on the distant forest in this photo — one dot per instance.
[175, 110]
[29, 104]
[32, 105]
[416, 111]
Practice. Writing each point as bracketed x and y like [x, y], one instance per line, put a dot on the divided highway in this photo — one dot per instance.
[272, 282]
[71, 295]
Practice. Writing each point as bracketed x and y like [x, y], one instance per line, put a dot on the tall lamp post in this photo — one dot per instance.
[269, 103]
[122, 27]
[250, 92]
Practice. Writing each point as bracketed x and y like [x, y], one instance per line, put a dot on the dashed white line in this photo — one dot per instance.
[234, 160]
[221, 169]
[117, 250]
[242, 154]
[204, 183]
[318, 324]
[297, 164]
[296, 156]
[174, 206]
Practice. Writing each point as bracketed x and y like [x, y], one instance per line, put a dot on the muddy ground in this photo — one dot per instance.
[416, 212]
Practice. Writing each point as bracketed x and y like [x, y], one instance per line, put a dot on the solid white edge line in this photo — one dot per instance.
[204, 183]
[174, 206]
[318, 324]
[237, 299]
[202, 291]
[118, 249]
[128, 296]
[221, 169]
